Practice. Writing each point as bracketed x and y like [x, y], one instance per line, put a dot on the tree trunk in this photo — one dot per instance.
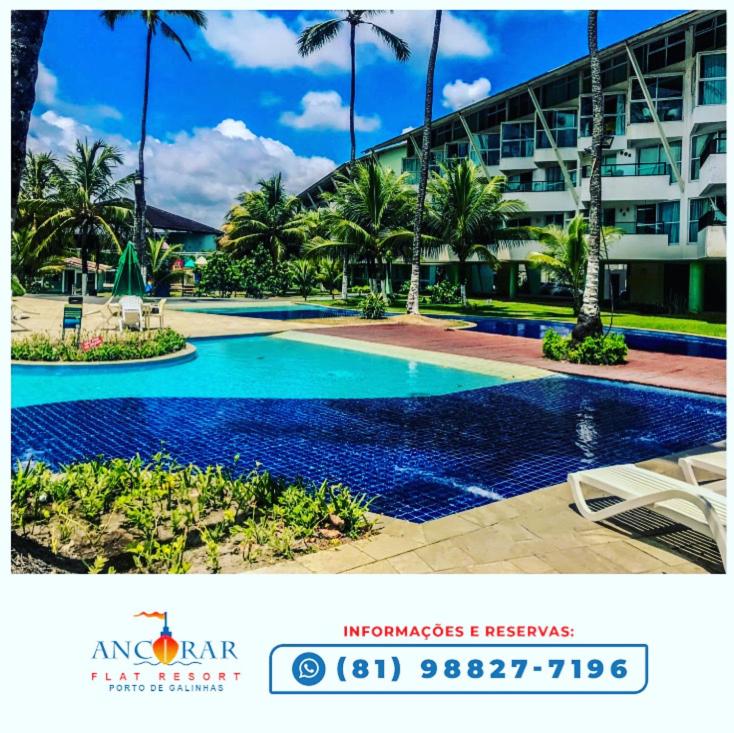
[26, 36]
[85, 268]
[412, 306]
[345, 278]
[139, 224]
[352, 92]
[462, 281]
[589, 318]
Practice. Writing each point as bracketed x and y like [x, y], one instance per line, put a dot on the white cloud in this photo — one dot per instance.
[326, 111]
[253, 39]
[196, 174]
[459, 93]
[47, 86]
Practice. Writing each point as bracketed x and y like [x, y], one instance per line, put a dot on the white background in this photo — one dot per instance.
[51, 623]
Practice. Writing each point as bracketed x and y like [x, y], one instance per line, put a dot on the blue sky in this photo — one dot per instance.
[247, 105]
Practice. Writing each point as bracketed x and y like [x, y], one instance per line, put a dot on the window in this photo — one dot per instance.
[667, 96]
[489, 146]
[519, 106]
[554, 220]
[613, 71]
[559, 90]
[704, 145]
[518, 139]
[662, 52]
[661, 218]
[562, 124]
[652, 159]
[490, 116]
[456, 151]
[703, 213]
[710, 34]
[712, 78]
[614, 115]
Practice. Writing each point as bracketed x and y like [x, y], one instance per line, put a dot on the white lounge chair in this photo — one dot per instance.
[131, 312]
[692, 506]
[713, 462]
[156, 310]
[16, 316]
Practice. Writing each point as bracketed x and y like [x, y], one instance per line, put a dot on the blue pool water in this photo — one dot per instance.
[246, 366]
[418, 457]
[668, 343]
[281, 312]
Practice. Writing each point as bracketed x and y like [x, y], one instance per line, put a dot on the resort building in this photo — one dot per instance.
[664, 167]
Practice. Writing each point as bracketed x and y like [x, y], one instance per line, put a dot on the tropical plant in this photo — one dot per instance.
[26, 36]
[318, 35]
[373, 306]
[37, 183]
[566, 254]
[29, 258]
[413, 301]
[154, 22]
[303, 276]
[267, 217]
[589, 316]
[87, 198]
[221, 275]
[161, 256]
[367, 218]
[607, 349]
[329, 274]
[469, 214]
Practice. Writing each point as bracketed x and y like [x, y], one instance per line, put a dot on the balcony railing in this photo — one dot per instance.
[518, 148]
[657, 227]
[535, 186]
[712, 218]
[612, 170]
[716, 145]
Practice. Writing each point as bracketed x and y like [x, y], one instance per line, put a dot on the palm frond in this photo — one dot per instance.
[318, 35]
[397, 45]
[169, 33]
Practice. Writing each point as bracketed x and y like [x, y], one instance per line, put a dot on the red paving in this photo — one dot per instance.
[692, 373]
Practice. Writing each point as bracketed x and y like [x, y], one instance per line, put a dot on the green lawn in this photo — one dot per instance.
[704, 324]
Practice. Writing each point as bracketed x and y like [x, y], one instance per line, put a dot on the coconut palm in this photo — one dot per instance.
[29, 258]
[36, 184]
[26, 36]
[329, 274]
[565, 253]
[318, 35]
[367, 218]
[87, 199]
[589, 317]
[411, 305]
[304, 276]
[266, 217]
[154, 22]
[468, 213]
[161, 256]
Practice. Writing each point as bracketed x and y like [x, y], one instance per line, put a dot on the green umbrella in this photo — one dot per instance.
[128, 278]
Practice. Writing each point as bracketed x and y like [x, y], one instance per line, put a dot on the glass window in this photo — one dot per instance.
[613, 71]
[614, 115]
[705, 212]
[652, 158]
[518, 139]
[667, 96]
[489, 146]
[519, 106]
[662, 52]
[710, 34]
[456, 151]
[704, 145]
[554, 220]
[661, 218]
[562, 124]
[559, 90]
[712, 78]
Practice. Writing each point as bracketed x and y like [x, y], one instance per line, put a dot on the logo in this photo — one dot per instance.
[124, 664]
[308, 669]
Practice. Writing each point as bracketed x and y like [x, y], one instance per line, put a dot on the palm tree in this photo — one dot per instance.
[329, 274]
[36, 184]
[367, 218]
[28, 258]
[589, 318]
[411, 305]
[87, 199]
[304, 276]
[318, 35]
[26, 36]
[161, 256]
[154, 21]
[267, 217]
[469, 214]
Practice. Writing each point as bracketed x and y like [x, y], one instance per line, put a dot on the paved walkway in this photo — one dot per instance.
[692, 373]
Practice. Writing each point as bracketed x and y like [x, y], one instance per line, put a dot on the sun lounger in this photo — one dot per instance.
[72, 321]
[714, 463]
[692, 506]
[131, 312]
[16, 316]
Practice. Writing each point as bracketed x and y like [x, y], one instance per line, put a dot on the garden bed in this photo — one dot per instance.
[160, 517]
[92, 347]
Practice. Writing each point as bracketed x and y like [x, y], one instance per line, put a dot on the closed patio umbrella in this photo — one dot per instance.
[128, 278]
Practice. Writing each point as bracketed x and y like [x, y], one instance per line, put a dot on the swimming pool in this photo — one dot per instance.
[421, 444]
[666, 342]
[280, 312]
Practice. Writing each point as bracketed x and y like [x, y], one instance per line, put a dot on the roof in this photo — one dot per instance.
[75, 263]
[160, 219]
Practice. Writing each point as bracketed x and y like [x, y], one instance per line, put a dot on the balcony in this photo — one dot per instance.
[712, 177]
[648, 131]
[541, 195]
[712, 234]
[631, 182]
[707, 114]
[517, 155]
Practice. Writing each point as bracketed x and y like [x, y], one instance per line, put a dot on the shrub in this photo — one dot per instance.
[405, 287]
[444, 292]
[373, 306]
[221, 275]
[607, 349]
[98, 347]
[361, 289]
[16, 287]
[304, 276]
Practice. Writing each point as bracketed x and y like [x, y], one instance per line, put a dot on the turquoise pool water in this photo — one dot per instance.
[247, 366]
